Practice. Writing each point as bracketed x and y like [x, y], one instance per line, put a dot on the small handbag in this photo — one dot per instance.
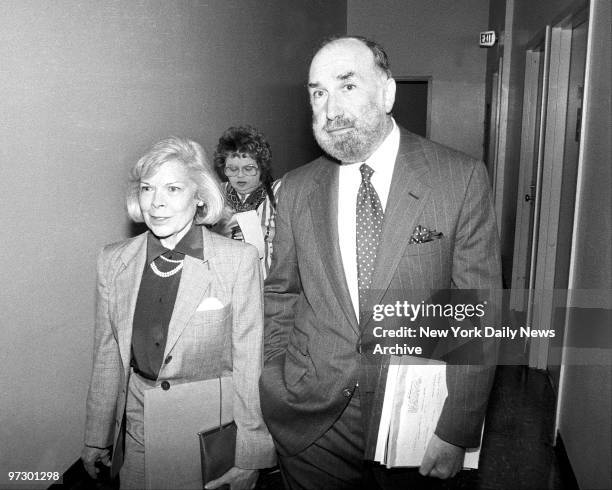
[217, 447]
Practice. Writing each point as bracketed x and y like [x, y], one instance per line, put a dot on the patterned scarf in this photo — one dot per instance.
[252, 202]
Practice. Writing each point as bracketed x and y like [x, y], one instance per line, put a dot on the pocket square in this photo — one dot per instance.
[422, 234]
[210, 303]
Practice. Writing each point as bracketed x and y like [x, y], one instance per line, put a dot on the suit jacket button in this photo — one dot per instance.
[347, 392]
[165, 385]
[168, 359]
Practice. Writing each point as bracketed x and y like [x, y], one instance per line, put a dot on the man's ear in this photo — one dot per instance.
[389, 94]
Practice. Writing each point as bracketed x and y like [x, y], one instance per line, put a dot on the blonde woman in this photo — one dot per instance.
[152, 333]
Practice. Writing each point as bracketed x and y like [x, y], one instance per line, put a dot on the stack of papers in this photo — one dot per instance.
[414, 398]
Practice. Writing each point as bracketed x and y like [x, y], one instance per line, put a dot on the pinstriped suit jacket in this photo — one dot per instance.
[312, 337]
[203, 344]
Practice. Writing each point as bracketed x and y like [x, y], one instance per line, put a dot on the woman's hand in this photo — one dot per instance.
[229, 227]
[236, 233]
[92, 455]
[236, 478]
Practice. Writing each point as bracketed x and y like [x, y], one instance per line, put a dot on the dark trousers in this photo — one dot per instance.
[335, 462]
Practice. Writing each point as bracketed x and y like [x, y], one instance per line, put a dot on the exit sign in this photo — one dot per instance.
[487, 39]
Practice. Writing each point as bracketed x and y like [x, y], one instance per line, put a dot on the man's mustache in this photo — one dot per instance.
[338, 123]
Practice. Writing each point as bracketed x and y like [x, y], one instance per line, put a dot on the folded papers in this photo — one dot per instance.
[414, 398]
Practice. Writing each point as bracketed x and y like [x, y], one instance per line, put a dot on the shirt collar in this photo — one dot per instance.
[386, 152]
[191, 244]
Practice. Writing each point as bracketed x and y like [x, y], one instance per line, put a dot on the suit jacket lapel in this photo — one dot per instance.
[407, 197]
[195, 281]
[323, 203]
[127, 285]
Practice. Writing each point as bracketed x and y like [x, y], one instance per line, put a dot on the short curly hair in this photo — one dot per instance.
[241, 141]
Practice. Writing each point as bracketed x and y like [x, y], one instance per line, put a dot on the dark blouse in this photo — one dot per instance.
[156, 298]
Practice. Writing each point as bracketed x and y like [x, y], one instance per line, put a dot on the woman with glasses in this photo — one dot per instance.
[243, 160]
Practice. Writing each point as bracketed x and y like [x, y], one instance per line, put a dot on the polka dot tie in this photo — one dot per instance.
[369, 227]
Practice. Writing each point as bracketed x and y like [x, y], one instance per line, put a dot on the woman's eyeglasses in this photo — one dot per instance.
[248, 170]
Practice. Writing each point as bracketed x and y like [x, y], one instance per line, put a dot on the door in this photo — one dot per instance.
[530, 172]
[412, 105]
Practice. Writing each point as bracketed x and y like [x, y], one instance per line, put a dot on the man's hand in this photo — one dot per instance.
[442, 459]
[91, 455]
[236, 478]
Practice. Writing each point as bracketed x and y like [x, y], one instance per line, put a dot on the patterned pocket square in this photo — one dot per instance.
[423, 235]
[209, 304]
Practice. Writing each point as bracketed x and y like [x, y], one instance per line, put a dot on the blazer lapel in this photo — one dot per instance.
[127, 285]
[407, 197]
[323, 203]
[195, 281]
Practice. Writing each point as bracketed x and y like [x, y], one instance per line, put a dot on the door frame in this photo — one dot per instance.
[552, 175]
[571, 288]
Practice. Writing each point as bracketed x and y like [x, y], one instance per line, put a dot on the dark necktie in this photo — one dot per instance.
[368, 230]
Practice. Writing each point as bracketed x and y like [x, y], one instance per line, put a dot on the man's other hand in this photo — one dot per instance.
[442, 459]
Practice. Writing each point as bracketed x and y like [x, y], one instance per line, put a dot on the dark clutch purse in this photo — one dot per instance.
[217, 448]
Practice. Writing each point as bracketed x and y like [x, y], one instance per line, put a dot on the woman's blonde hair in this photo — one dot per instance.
[192, 156]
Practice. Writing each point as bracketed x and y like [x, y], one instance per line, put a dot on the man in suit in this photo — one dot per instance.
[345, 240]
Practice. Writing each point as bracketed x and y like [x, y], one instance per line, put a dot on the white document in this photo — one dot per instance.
[414, 398]
[172, 421]
[250, 226]
[385, 416]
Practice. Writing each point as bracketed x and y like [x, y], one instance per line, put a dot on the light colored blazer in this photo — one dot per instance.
[315, 350]
[200, 344]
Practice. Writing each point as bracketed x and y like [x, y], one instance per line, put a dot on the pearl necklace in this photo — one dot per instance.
[170, 260]
[170, 272]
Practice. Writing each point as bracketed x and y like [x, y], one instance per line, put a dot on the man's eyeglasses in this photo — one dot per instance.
[248, 170]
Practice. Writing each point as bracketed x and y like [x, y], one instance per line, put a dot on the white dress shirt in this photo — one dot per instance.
[382, 161]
